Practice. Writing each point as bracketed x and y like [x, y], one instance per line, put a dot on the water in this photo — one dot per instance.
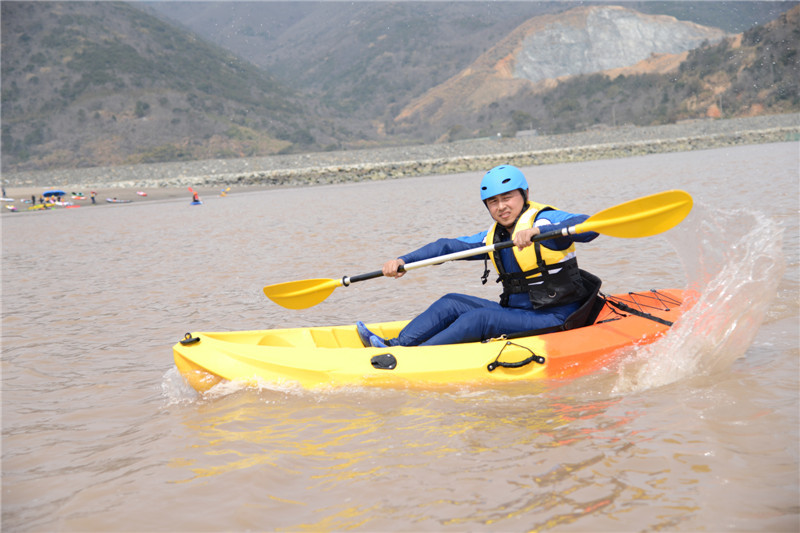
[697, 432]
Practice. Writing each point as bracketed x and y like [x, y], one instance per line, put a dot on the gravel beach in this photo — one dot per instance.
[169, 180]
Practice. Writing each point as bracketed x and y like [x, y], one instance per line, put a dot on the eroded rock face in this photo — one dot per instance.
[607, 38]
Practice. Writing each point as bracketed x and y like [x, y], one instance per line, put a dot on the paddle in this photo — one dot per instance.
[642, 217]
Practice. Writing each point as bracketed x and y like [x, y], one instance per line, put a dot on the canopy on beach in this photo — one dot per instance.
[54, 192]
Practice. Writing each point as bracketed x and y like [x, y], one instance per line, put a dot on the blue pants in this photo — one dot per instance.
[456, 318]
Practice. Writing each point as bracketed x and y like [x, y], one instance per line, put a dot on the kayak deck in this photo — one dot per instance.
[320, 357]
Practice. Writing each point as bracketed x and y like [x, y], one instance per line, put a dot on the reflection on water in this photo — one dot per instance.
[377, 450]
[698, 432]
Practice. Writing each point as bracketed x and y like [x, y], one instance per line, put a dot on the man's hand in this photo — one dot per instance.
[391, 268]
[523, 238]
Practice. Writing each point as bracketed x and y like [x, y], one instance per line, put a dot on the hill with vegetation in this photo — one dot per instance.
[102, 83]
[747, 74]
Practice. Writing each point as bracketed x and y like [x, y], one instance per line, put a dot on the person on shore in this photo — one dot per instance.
[94, 194]
[542, 284]
[33, 199]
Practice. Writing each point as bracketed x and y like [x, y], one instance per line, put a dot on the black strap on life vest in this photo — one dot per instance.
[585, 315]
[516, 282]
[485, 276]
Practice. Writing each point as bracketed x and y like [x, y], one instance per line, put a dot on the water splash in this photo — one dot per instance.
[734, 262]
[175, 390]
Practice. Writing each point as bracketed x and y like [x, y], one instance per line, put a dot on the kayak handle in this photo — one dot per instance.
[188, 339]
[517, 364]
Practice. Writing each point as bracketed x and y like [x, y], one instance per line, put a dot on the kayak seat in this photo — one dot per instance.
[585, 315]
[588, 312]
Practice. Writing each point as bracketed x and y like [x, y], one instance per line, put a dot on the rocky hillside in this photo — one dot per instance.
[599, 38]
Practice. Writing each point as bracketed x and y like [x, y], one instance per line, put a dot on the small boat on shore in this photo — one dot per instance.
[330, 357]
[118, 201]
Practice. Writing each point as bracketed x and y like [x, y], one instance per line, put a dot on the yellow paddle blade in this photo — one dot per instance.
[643, 217]
[301, 294]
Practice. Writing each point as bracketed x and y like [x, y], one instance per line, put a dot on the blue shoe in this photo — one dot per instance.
[364, 334]
[377, 342]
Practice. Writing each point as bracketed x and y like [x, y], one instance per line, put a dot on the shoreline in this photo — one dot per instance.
[209, 177]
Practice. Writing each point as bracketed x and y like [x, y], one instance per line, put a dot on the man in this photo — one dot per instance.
[542, 285]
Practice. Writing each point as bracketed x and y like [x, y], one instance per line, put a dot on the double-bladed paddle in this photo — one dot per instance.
[643, 217]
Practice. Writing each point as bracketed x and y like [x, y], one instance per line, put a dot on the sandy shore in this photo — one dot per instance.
[210, 177]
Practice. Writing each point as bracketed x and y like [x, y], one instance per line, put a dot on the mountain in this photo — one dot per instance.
[371, 59]
[88, 83]
[547, 48]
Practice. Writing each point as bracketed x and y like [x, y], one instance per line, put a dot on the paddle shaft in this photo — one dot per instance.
[572, 230]
[642, 217]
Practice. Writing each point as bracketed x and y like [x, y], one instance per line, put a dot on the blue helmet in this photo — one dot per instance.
[502, 179]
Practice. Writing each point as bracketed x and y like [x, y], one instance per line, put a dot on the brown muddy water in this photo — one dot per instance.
[698, 432]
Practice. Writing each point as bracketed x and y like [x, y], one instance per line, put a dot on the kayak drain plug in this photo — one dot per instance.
[384, 361]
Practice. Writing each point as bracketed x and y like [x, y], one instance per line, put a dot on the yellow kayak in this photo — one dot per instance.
[325, 357]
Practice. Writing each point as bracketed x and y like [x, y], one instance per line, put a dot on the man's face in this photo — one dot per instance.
[506, 207]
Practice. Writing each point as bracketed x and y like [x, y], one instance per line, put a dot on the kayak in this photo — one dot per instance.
[196, 202]
[329, 357]
[116, 201]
